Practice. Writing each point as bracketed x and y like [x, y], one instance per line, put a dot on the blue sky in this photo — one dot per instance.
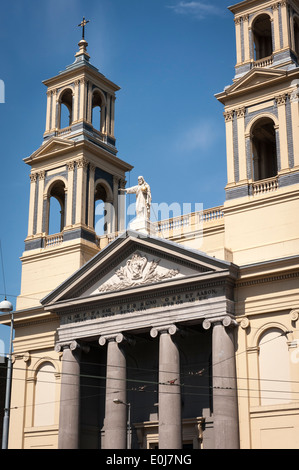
[169, 57]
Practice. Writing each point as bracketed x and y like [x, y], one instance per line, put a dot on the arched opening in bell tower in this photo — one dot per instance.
[103, 209]
[56, 208]
[296, 35]
[97, 118]
[262, 37]
[264, 149]
[65, 108]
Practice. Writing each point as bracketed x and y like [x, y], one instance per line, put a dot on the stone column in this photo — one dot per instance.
[115, 423]
[68, 437]
[170, 420]
[225, 403]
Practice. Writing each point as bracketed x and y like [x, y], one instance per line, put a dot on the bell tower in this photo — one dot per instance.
[76, 166]
[261, 112]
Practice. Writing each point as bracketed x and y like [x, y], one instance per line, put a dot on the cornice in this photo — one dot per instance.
[252, 202]
[82, 72]
[143, 292]
[230, 94]
[138, 296]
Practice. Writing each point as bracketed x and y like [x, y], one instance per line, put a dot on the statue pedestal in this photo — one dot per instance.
[143, 225]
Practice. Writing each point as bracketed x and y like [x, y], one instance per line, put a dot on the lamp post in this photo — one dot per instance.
[6, 307]
[128, 405]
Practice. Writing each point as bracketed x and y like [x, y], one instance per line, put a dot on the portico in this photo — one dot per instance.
[142, 302]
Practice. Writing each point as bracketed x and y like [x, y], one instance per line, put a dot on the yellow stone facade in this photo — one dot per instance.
[256, 228]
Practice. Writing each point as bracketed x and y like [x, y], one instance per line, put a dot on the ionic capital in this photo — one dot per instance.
[170, 329]
[226, 321]
[72, 345]
[117, 337]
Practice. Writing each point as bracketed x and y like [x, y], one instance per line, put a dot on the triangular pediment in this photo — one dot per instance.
[135, 262]
[256, 77]
[53, 146]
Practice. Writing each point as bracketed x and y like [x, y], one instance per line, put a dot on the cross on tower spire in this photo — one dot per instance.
[83, 24]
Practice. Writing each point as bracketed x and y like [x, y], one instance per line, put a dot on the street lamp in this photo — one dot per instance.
[128, 405]
[6, 307]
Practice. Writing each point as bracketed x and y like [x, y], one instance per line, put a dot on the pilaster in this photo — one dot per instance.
[238, 40]
[275, 9]
[283, 136]
[294, 99]
[91, 190]
[246, 38]
[69, 209]
[40, 201]
[228, 116]
[81, 191]
[285, 24]
[240, 113]
[33, 180]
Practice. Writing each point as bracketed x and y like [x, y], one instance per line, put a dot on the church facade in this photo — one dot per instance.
[176, 334]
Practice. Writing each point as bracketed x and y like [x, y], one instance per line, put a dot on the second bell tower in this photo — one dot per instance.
[76, 166]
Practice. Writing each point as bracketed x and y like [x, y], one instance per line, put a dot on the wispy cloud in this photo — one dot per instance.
[198, 10]
[200, 136]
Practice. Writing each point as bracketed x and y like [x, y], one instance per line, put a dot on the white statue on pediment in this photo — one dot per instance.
[143, 198]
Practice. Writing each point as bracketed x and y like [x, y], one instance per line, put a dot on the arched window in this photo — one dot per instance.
[56, 207]
[296, 35]
[274, 368]
[97, 111]
[263, 141]
[103, 210]
[65, 108]
[100, 219]
[45, 395]
[262, 37]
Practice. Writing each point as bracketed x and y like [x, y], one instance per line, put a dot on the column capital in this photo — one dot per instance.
[281, 99]
[117, 337]
[228, 115]
[33, 177]
[170, 329]
[227, 321]
[72, 345]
